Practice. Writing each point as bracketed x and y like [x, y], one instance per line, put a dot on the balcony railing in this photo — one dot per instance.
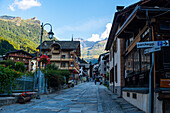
[57, 58]
[21, 61]
[23, 56]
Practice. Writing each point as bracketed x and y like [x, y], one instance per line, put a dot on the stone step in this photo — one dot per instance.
[7, 100]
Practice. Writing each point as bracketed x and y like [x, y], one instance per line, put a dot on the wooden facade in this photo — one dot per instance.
[143, 21]
[20, 56]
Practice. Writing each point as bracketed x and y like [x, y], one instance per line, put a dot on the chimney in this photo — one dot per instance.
[119, 8]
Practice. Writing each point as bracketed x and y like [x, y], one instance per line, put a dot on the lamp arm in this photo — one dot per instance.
[47, 24]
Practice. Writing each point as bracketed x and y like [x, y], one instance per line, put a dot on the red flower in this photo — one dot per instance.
[14, 70]
[3, 65]
[45, 59]
[22, 94]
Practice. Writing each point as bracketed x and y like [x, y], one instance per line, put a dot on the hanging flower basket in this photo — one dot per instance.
[44, 59]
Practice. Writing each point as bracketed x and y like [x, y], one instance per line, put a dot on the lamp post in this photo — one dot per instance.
[50, 37]
[72, 65]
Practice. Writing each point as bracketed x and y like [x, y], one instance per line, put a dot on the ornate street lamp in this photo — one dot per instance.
[50, 37]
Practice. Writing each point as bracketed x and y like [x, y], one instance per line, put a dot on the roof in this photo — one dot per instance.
[102, 55]
[71, 45]
[119, 18]
[82, 60]
[19, 51]
[106, 56]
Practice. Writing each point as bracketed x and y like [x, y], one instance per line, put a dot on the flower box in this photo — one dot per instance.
[24, 98]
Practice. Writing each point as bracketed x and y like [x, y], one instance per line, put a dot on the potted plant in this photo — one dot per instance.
[25, 97]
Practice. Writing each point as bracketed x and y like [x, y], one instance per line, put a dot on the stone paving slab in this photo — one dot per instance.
[83, 98]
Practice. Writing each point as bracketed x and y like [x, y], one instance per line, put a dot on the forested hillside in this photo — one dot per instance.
[5, 46]
[22, 34]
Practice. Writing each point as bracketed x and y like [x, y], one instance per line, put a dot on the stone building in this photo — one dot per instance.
[63, 54]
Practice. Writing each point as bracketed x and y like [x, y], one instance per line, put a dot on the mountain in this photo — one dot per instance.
[84, 43]
[90, 50]
[20, 33]
[5, 46]
[17, 33]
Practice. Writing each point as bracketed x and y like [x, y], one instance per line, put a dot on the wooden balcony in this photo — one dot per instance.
[21, 56]
[26, 62]
[61, 59]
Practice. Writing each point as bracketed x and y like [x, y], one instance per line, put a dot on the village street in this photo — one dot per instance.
[83, 98]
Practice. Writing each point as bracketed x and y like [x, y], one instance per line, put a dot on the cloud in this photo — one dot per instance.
[104, 35]
[11, 7]
[24, 4]
[95, 37]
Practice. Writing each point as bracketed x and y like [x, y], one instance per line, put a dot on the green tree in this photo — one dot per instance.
[20, 66]
[10, 63]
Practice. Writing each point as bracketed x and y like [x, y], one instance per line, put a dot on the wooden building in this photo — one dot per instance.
[20, 56]
[147, 20]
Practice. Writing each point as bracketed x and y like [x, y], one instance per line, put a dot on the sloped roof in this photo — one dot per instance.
[82, 60]
[19, 51]
[119, 18]
[71, 45]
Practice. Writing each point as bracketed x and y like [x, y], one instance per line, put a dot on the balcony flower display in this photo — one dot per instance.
[44, 59]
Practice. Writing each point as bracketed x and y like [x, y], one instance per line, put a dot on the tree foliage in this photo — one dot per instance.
[7, 77]
[54, 76]
[21, 34]
[20, 66]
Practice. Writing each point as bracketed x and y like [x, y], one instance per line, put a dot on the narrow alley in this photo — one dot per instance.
[83, 98]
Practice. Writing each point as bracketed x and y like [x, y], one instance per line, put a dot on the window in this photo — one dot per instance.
[128, 94]
[72, 64]
[63, 56]
[116, 73]
[165, 25]
[145, 34]
[145, 61]
[130, 40]
[136, 62]
[134, 95]
[115, 45]
[63, 64]
[129, 63]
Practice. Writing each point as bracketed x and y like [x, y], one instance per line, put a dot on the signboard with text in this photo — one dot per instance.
[152, 44]
[151, 50]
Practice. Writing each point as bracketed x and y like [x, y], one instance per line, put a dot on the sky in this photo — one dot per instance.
[87, 19]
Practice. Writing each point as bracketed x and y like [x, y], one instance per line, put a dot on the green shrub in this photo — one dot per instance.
[19, 66]
[7, 77]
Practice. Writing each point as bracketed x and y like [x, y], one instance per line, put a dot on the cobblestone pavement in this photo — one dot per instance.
[83, 98]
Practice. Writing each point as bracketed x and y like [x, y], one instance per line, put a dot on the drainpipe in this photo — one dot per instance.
[151, 77]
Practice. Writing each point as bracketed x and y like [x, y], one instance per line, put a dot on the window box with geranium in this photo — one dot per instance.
[44, 59]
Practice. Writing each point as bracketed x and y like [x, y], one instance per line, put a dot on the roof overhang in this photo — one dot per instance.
[137, 19]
